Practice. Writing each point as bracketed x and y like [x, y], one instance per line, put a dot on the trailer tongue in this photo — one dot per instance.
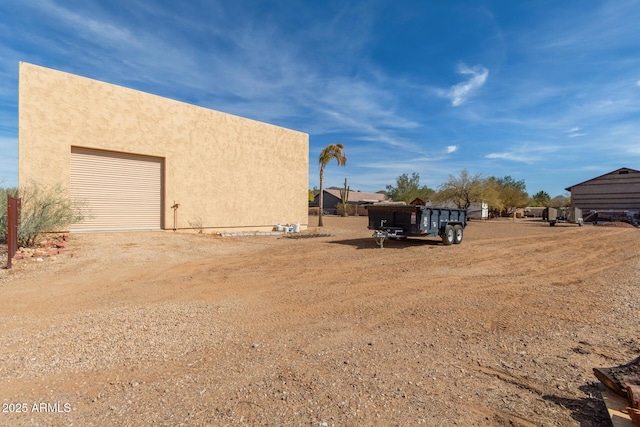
[394, 221]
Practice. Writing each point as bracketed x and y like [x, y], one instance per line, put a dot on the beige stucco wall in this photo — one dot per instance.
[234, 173]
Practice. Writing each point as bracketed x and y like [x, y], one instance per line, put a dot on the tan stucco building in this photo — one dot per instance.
[130, 157]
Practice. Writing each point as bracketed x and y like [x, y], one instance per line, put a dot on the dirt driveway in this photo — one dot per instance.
[177, 329]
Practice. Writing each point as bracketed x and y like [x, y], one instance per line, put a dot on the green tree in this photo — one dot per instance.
[541, 198]
[491, 196]
[408, 188]
[331, 151]
[560, 201]
[462, 190]
[511, 194]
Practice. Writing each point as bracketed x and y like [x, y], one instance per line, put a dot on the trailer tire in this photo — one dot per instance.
[457, 234]
[552, 223]
[448, 236]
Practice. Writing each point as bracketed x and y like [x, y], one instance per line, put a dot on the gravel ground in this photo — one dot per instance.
[184, 329]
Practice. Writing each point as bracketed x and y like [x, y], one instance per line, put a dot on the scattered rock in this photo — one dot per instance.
[46, 248]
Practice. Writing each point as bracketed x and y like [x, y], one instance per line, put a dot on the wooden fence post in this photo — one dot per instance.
[13, 216]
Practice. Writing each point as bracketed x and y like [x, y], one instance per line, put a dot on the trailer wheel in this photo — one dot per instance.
[457, 234]
[449, 236]
[552, 223]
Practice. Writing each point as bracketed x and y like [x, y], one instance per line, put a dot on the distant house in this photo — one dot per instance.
[419, 202]
[332, 198]
[534, 211]
[618, 190]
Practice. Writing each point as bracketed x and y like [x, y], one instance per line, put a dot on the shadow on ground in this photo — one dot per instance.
[590, 411]
[369, 243]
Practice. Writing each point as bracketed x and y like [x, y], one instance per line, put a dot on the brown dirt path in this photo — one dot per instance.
[164, 328]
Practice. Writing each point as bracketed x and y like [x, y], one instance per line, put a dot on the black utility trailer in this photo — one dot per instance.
[394, 221]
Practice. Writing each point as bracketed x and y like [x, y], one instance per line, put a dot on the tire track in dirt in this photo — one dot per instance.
[315, 302]
[505, 316]
[348, 294]
[504, 375]
[501, 417]
[324, 304]
[512, 300]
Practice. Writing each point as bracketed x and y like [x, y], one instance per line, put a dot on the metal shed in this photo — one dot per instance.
[617, 190]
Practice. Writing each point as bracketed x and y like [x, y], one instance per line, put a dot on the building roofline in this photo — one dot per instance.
[598, 177]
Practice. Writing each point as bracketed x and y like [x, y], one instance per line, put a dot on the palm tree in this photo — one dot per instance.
[331, 151]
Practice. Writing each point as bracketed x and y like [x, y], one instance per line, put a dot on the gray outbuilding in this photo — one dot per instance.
[618, 190]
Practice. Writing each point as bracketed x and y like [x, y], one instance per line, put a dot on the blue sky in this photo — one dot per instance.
[544, 91]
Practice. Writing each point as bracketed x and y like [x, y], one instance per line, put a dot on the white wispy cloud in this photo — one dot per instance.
[508, 156]
[431, 170]
[525, 153]
[325, 78]
[359, 105]
[612, 24]
[622, 143]
[101, 30]
[460, 92]
[575, 132]
[252, 70]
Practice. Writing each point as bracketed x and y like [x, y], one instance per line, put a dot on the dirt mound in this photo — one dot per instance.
[616, 224]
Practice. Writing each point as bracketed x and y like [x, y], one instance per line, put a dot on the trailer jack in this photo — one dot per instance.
[379, 237]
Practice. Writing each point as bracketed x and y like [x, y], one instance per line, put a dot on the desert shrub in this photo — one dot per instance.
[341, 208]
[196, 224]
[44, 209]
[314, 211]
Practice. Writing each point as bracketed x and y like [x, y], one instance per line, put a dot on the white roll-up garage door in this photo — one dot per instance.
[121, 191]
